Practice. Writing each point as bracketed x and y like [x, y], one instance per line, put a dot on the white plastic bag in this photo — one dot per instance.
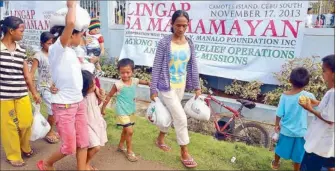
[197, 109]
[40, 126]
[159, 114]
[82, 18]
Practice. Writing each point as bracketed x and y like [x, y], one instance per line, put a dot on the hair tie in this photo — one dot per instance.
[56, 34]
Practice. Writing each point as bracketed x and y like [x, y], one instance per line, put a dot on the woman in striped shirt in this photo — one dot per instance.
[16, 112]
[174, 70]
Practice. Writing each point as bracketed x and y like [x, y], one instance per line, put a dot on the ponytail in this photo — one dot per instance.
[57, 31]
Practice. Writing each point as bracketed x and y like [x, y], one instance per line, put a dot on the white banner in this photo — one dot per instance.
[36, 15]
[244, 40]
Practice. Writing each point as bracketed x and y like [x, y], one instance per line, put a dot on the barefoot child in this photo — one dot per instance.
[125, 105]
[291, 121]
[320, 137]
[68, 105]
[41, 62]
[96, 122]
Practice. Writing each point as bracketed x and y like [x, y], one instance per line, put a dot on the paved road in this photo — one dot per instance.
[106, 159]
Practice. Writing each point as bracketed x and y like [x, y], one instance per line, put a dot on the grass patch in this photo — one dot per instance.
[209, 153]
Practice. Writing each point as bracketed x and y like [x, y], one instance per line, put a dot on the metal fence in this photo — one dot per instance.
[93, 7]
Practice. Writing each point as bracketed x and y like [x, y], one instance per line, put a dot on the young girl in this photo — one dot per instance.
[44, 82]
[96, 122]
[125, 104]
[15, 106]
[68, 105]
[293, 120]
[320, 137]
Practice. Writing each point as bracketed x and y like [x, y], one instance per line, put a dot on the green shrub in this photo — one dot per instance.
[316, 84]
[247, 90]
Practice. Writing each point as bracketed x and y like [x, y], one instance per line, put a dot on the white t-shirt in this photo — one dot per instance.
[44, 77]
[320, 137]
[309, 21]
[66, 74]
[85, 63]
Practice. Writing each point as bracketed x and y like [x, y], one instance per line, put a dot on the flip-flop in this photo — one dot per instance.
[93, 168]
[29, 154]
[122, 150]
[14, 164]
[163, 147]
[40, 166]
[131, 157]
[273, 166]
[189, 163]
[51, 139]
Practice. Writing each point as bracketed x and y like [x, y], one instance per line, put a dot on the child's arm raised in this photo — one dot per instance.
[143, 82]
[69, 23]
[108, 98]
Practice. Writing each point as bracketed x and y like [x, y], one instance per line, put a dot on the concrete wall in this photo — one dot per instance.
[262, 113]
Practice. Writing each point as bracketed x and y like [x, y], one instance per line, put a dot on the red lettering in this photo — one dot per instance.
[168, 26]
[216, 28]
[148, 9]
[253, 28]
[164, 12]
[291, 28]
[271, 27]
[157, 24]
[130, 9]
[201, 26]
[236, 26]
[172, 10]
[32, 14]
[128, 22]
[189, 26]
[137, 24]
[185, 6]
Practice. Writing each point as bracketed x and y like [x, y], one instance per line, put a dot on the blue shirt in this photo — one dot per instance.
[293, 121]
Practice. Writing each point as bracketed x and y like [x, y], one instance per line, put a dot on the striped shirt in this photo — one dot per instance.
[160, 70]
[12, 81]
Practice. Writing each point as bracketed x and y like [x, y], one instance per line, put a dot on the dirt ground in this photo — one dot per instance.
[106, 159]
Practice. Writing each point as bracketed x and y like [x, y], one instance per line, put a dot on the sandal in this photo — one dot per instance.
[93, 168]
[29, 154]
[163, 147]
[16, 163]
[52, 139]
[131, 157]
[275, 167]
[122, 150]
[189, 163]
[40, 165]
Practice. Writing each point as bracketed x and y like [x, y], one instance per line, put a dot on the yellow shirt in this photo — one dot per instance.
[180, 55]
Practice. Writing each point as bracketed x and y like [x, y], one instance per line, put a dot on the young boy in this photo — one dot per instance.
[320, 138]
[95, 42]
[291, 121]
[125, 90]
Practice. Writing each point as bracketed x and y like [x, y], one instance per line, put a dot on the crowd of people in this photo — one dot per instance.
[68, 69]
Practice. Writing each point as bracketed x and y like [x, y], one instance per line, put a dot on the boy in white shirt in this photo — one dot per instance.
[320, 137]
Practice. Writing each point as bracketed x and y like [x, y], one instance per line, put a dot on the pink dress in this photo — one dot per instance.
[96, 122]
